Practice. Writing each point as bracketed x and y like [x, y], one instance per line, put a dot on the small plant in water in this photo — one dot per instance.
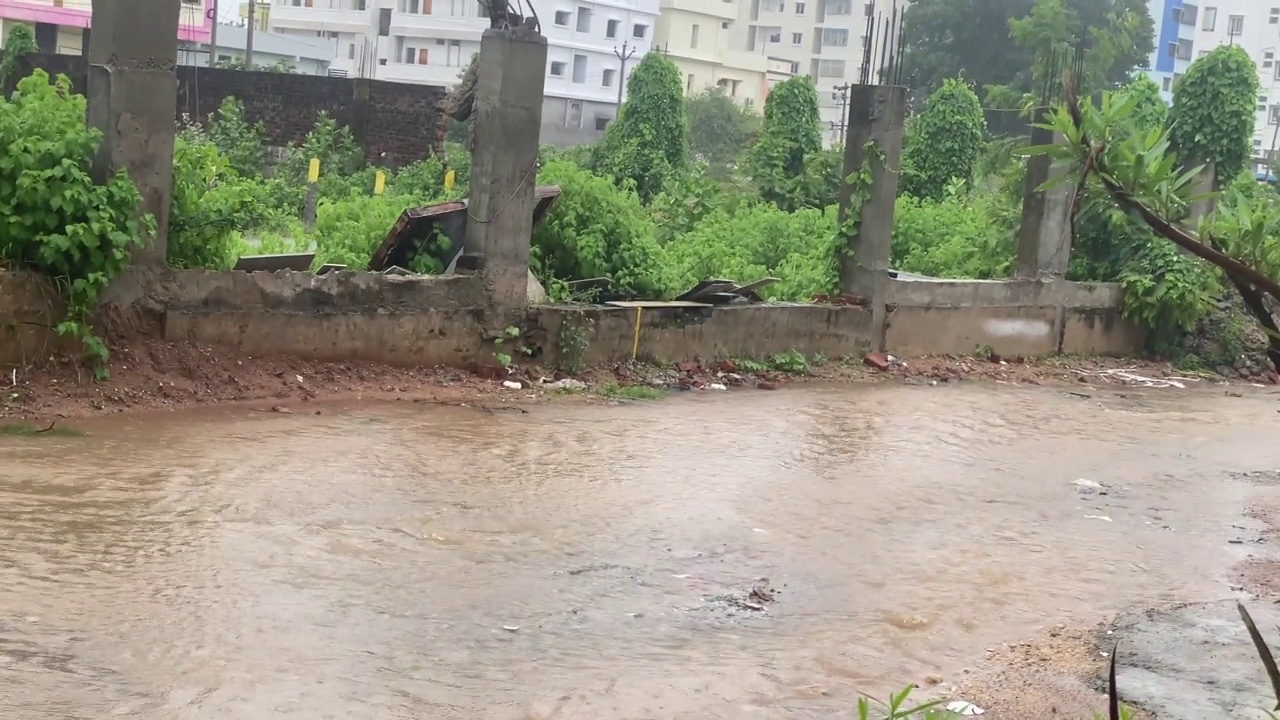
[630, 392]
[896, 708]
[24, 429]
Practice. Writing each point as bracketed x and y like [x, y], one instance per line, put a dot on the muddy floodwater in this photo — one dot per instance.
[405, 560]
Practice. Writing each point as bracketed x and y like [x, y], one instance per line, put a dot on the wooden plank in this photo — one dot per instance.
[272, 263]
[656, 304]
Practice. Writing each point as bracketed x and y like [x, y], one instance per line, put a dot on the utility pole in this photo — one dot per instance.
[248, 36]
[213, 36]
[841, 93]
[623, 56]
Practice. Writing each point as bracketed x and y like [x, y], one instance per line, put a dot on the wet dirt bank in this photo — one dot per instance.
[153, 375]
[398, 560]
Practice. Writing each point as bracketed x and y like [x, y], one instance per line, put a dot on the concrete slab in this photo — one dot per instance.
[1196, 662]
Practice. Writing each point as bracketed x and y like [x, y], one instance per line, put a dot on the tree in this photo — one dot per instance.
[1149, 111]
[789, 136]
[1001, 45]
[719, 128]
[944, 142]
[1213, 111]
[239, 140]
[650, 138]
[19, 42]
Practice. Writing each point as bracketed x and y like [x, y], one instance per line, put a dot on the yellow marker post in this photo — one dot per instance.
[449, 179]
[635, 343]
[379, 182]
[313, 172]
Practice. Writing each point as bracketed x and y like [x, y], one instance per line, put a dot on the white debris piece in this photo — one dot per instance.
[960, 707]
[511, 385]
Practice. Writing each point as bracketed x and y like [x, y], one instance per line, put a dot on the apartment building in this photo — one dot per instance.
[820, 38]
[432, 41]
[698, 35]
[1254, 25]
[304, 55]
[62, 26]
[1175, 24]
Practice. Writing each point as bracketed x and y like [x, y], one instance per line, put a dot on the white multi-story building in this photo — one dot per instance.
[593, 45]
[1254, 25]
[698, 35]
[1187, 32]
[824, 39]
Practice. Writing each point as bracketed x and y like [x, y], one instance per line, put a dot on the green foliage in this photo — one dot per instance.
[789, 136]
[211, 205]
[240, 141]
[348, 230]
[1000, 45]
[1214, 110]
[596, 229]
[944, 142]
[759, 240]
[650, 139]
[966, 234]
[53, 218]
[719, 128]
[237, 63]
[1149, 111]
[20, 42]
[340, 158]
[1166, 290]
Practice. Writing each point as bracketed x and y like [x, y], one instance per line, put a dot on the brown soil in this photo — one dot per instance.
[154, 375]
[1055, 676]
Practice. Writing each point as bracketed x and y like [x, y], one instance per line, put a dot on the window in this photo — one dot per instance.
[693, 37]
[1181, 49]
[835, 37]
[557, 69]
[1186, 15]
[1273, 117]
[602, 122]
[611, 28]
[606, 79]
[724, 25]
[795, 68]
[562, 18]
[799, 8]
[775, 37]
[1167, 84]
[1235, 25]
[384, 22]
[797, 39]
[869, 10]
[1262, 103]
[351, 51]
[774, 5]
[839, 7]
[688, 83]
[1210, 21]
[579, 69]
[1277, 72]
[1275, 16]
[831, 68]
[584, 20]
[639, 31]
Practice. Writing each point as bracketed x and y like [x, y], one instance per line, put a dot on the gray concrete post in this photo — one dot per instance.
[1208, 183]
[874, 137]
[132, 91]
[506, 122]
[1044, 234]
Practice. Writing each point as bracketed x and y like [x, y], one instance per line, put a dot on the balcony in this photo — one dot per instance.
[439, 75]
[439, 24]
[288, 17]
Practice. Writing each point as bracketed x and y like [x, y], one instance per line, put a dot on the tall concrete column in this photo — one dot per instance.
[1207, 184]
[506, 122]
[132, 92]
[873, 140]
[1044, 234]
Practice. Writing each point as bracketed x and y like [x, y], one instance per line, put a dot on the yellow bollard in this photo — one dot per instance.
[313, 172]
[449, 179]
[379, 183]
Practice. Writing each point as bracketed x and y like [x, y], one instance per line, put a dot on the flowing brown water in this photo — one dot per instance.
[362, 563]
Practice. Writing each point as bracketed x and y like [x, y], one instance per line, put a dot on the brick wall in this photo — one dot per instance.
[401, 120]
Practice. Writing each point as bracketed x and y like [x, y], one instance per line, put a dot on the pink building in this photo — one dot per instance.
[60, 24]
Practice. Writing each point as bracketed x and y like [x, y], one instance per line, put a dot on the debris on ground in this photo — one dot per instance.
[961, 707]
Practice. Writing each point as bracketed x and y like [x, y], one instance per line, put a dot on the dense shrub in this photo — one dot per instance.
[944, 142]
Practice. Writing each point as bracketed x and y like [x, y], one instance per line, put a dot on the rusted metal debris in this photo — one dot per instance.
[721, 292]
[417, 225]
[300, 262]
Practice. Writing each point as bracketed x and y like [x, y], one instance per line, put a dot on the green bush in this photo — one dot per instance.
[944, 142]
[596, 229]
[964, 235]
[53, 218]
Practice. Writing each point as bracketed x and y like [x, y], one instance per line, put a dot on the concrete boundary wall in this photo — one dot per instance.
[406, 320]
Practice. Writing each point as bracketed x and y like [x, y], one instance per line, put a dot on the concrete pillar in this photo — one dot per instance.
[1044, 234]
[1207, 184]
[873, 139]
[132, 92]
[506, 122]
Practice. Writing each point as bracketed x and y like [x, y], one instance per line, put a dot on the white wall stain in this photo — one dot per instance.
[1018, 327]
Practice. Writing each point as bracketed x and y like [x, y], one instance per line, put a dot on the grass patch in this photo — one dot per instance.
[631, 392]
[23, 429]
[791, 361]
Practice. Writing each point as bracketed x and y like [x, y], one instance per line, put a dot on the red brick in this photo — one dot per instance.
[879, 361]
